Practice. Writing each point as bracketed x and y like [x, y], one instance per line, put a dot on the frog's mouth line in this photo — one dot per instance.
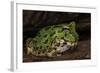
[65, 46]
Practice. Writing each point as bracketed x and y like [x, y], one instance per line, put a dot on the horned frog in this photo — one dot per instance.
[53, 40]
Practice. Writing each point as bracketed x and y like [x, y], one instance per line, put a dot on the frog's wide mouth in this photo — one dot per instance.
[65, 45]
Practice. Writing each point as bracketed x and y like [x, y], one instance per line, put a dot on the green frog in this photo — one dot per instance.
[53, 40]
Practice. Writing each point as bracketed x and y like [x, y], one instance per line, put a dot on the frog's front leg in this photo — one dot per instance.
[29, 50]
[50, 54]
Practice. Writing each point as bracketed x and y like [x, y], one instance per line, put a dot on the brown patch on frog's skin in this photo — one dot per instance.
[51, 53]
[48, 52]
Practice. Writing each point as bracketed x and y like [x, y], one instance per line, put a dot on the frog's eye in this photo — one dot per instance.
[65, 29]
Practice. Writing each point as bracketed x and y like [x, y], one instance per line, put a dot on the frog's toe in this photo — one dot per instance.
[49, 55]
[58, 54]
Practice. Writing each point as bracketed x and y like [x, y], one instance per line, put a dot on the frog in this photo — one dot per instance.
[53, 40]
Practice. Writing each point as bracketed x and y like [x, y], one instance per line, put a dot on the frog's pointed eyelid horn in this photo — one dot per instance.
[65, 26]
[72, 23]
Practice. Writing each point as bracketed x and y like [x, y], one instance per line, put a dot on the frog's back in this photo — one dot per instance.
[48, 40]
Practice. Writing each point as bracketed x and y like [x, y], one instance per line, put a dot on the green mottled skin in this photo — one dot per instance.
[48, 38]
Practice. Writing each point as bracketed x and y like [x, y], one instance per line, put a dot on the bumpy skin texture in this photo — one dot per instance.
[53, 40]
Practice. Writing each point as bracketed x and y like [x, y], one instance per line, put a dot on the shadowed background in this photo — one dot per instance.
[33, 21]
